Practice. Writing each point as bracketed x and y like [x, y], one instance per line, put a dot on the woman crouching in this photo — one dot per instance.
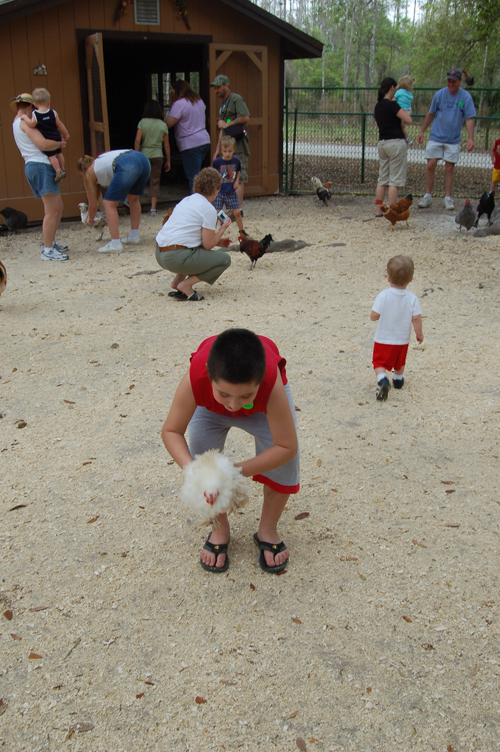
[123, 173]
[186, 240]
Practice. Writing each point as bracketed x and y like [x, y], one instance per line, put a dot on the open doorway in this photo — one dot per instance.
[138, 68]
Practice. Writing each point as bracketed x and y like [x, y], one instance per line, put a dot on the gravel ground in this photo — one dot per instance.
[383, 634]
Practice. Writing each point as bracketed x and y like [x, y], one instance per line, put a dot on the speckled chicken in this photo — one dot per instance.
[322, 190]
[466, 217]
[99, 219]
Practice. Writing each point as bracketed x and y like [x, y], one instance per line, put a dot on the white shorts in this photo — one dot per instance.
[437, 150]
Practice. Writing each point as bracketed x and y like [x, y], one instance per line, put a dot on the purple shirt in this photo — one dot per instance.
[190, 129]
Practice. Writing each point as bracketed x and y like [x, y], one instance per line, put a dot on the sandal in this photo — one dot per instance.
[220, 548]
[177, 294]
[274, 548]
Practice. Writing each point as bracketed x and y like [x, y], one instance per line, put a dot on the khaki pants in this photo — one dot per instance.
[206, 265]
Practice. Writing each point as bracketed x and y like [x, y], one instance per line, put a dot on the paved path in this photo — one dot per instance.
[354, 151]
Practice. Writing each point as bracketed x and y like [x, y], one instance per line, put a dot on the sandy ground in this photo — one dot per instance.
[383, 634]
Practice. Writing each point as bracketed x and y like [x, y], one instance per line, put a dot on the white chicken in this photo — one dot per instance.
[212, 486]
[99, 219]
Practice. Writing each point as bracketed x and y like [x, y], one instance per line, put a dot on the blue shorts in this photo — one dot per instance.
[132, 170]
[230, 199]
[40, 177]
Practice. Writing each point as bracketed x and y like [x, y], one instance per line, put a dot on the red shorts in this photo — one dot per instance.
[390, 357]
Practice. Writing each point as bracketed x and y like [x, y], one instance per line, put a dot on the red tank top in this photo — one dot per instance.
[202, 387]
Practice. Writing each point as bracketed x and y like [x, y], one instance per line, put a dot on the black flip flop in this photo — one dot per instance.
[220, 548]
[195, 296]
[274, 548]
[177, 294]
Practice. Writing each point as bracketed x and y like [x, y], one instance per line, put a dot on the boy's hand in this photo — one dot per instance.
[420, 338]
[236, 185]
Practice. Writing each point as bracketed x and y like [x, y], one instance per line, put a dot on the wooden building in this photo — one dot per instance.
[102, 59]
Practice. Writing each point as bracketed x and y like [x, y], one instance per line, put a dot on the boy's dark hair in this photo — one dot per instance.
[400, 270]
[237, 356]
[152, 109]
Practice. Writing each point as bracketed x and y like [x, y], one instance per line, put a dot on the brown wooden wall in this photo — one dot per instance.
[50, 37]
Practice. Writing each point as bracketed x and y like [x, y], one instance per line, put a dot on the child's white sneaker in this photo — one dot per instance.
[127, 240]
[448, 203]
[111, 248]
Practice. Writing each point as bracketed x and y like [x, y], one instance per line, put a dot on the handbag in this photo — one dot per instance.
[237, 131]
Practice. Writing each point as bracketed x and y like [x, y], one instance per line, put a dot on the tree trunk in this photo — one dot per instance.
[372, 44]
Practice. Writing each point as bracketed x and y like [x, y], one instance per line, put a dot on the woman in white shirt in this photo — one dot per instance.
[186, 240]
[123, 173]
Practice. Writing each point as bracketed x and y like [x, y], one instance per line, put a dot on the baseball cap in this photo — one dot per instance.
[455, 74]
[220, 81]
[14, 101]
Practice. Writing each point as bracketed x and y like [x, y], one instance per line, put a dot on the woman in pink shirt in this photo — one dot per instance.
[187, 114]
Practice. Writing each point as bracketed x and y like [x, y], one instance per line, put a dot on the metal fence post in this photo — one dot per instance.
[293, 147]
[286, 139]
[363, 143]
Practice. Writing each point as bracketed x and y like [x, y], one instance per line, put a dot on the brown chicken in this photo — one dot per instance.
[398, 212]
[3, 278]
[167, 216]
[253, 248]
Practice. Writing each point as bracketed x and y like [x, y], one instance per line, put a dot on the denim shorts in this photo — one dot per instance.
[40, 177]
[132, 169]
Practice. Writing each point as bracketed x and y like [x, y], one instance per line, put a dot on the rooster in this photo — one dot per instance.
[3, 278]
[399, 211]
[99, 219]
[322, 190]
[465, 218]
[253, 248]
[485, 206]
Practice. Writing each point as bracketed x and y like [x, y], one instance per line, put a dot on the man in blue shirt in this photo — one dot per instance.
[449, 109]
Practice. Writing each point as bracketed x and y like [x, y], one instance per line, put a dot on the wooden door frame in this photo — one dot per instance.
[218, 54]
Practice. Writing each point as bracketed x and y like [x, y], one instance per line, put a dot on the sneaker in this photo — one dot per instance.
[153, 212]
[398, 383]
[425, 201]
[409, 141]
[53, 255]
[448, 203]
[110, 248]
[60, 247]
[60, 174]
[383, 389]
[127, 240]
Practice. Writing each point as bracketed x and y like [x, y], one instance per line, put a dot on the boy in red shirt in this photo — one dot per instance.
[238, 379]
[495, 159]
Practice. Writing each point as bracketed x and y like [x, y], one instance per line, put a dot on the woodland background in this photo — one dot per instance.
[366, 40]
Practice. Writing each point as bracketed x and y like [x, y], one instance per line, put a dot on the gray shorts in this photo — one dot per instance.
[437, 150]
[208, 430]
[392, 154]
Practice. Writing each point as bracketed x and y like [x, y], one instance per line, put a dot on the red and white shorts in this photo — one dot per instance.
[390, 357]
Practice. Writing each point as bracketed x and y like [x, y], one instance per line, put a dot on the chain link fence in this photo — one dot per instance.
[331, 133]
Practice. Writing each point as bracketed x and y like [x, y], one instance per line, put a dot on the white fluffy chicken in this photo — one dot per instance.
[99, 219]
[212, 486]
